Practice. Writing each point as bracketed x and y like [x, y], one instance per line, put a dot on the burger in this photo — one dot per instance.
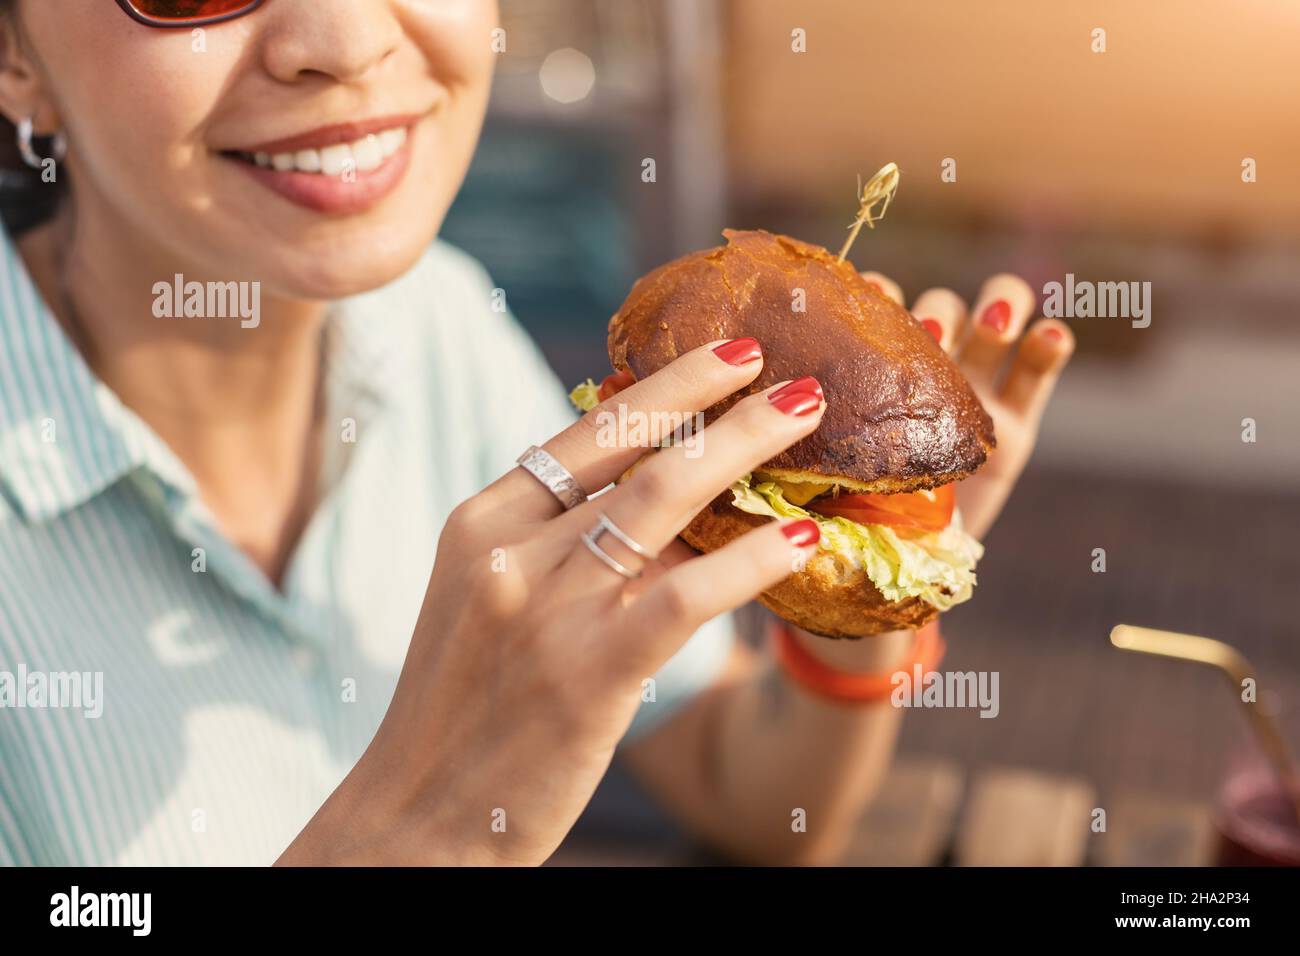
[901, 426]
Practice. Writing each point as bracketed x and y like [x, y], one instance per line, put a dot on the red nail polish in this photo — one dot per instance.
[739, 351]
[802, 533]
[934, 328]
[997, 315]
[805, 384]
[796, 402]
[1053, 334]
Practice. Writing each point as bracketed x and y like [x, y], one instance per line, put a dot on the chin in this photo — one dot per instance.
[338, 267]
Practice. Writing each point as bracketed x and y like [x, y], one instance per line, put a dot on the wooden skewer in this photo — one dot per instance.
[1228, 660]
[879, 190]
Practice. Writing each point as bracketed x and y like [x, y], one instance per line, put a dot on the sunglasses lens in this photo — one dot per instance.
[180, 11]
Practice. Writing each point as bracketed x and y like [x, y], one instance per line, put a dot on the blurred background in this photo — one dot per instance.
[1122, 165]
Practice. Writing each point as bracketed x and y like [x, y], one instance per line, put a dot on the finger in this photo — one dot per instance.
[676, 552]
[885, 286]
[942, 313]
[687, 596]
[1043, 353]
[676, 483]
[1004, 305]
[596, 454]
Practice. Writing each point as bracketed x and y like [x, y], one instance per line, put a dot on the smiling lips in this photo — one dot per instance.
[340, 169]
[363, 156]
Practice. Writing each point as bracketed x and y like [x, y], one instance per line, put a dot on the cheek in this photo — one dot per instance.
[137, 123]
[455, 37]
[452, 42]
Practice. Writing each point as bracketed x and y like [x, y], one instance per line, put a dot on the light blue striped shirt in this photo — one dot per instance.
[228, 709]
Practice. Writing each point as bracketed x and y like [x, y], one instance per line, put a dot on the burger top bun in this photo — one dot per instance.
[899, 416]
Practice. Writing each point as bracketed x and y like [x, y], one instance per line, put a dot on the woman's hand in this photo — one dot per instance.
[527, 662]
[1014, 383]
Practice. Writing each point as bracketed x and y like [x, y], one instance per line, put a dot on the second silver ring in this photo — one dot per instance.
[605, 526]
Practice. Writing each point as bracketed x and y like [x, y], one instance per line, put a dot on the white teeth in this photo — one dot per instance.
[367, 154]
[363, 156]
[335, 159]
[308, 161]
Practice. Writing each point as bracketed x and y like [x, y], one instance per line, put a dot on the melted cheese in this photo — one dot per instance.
[799, 492]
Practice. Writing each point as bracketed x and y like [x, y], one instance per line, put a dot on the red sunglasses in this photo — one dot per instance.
[186, 13]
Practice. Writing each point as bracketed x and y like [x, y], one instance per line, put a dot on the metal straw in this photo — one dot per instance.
[1233, 664]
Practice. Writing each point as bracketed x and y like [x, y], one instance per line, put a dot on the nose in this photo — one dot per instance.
[343, 40]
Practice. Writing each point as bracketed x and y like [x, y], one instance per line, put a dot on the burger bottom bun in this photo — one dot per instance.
[829, 596]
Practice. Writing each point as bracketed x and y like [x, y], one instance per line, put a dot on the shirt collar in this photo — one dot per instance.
[65, 436]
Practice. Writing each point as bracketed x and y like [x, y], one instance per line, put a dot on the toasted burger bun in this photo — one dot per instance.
[900, 417]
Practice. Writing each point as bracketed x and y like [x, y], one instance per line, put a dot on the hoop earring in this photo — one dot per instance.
[26, 131]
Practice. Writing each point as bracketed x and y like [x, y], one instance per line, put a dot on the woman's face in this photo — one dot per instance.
[366, 113]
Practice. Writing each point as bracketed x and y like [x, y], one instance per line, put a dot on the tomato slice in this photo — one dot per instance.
[615, 383]
[914, 511]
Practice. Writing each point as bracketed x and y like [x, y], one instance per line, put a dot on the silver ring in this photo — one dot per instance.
[592, 538]
[546, 468]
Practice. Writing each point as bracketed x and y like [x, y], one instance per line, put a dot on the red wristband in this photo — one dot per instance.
[850, 688]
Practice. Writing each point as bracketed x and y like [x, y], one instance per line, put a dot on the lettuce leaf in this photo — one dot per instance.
[586, 396]
[938, 567]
